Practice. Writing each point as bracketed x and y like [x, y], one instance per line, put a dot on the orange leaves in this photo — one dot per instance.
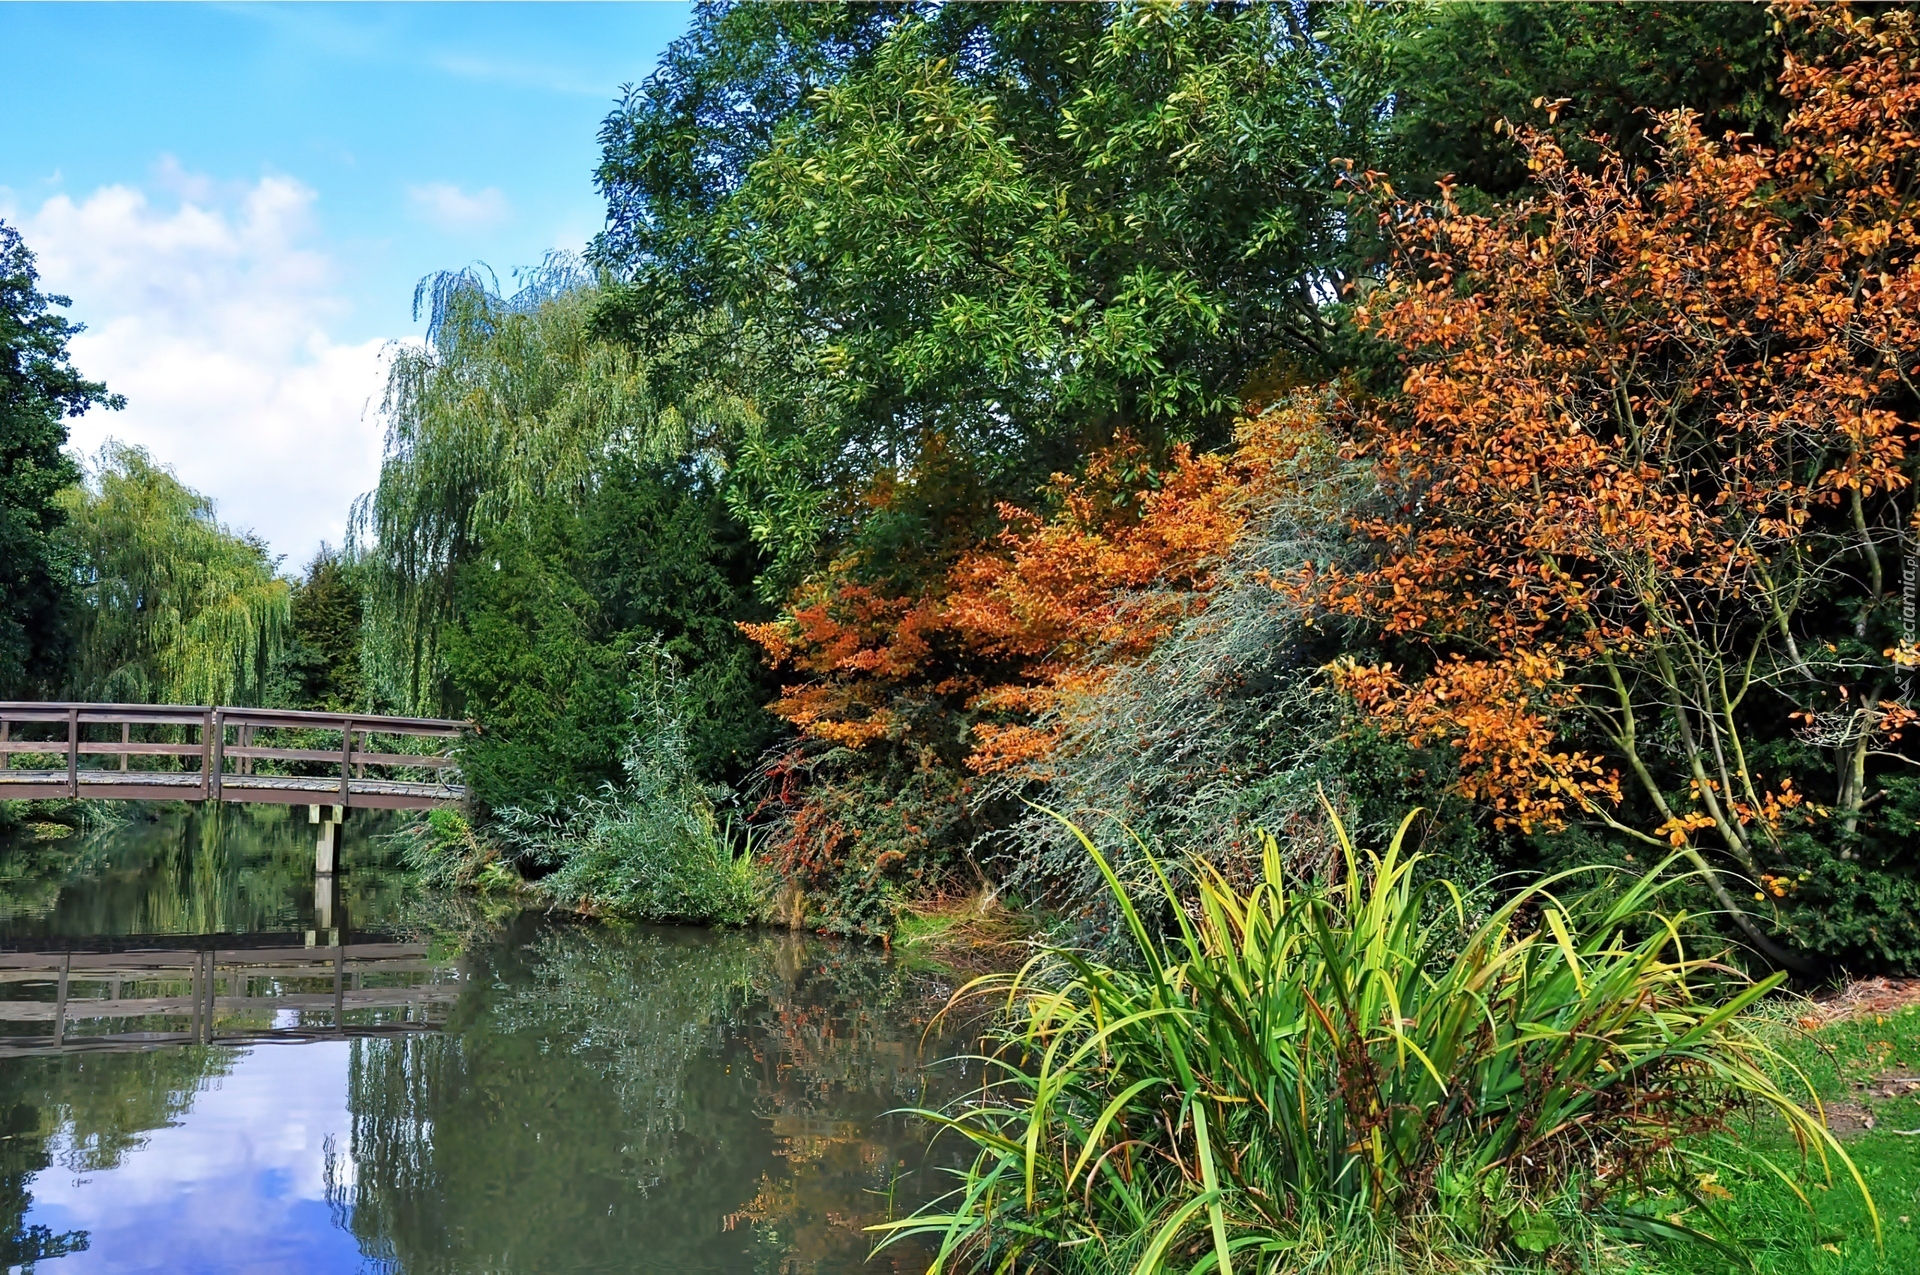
[1033, 613]
[1640, 425]
[1500, 717]
[1679, 829]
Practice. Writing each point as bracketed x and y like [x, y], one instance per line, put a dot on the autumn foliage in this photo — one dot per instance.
[1629, 551]
[1649, 472]
[1035, 613]
[902, 700]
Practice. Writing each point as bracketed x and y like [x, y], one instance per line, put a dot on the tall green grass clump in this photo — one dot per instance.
[1350, 1074]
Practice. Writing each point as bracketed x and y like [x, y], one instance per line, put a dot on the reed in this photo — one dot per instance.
[1303, 1062]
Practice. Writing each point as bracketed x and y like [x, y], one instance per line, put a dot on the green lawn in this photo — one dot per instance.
[1849, 1064]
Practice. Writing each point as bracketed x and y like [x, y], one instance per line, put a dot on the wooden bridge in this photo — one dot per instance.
[334, 761]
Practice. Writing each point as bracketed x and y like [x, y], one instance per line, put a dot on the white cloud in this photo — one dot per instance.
[447, 207]
[237, 1184]
[212, 318]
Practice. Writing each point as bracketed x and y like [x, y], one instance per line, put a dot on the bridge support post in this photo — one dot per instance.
[326, 850]
[60, 1001]
[326, 900]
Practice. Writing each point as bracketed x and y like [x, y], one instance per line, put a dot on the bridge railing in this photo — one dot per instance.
[168, 751]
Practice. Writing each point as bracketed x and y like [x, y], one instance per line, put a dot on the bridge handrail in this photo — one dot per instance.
[195, 715]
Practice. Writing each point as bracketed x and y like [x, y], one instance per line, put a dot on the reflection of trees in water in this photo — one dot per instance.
[163, 871]
[219, 870]
[655, 1099]
[84, 1112]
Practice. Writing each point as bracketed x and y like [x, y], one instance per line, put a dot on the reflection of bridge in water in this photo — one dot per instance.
[277, 987]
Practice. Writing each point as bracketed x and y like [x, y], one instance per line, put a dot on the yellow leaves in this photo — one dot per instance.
[1680, 828]
[1709, 1186]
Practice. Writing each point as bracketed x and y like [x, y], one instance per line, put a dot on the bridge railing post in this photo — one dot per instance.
[219, 754]
[73, 751]
[346, 759]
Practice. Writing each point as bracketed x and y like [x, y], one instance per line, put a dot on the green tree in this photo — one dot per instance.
[39, 391]
[174, 607]
[320, 664]
[550, 620]
[1577, 69]
[979, 238]
[511, 405]
[539, 519]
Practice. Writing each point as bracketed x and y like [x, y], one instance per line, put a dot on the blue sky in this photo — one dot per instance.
[240, 198]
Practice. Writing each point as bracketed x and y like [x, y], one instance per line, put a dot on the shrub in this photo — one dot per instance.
[1298, 1061]
[1226, 726]
[444, 852]
[651, 848]
[1647, 479]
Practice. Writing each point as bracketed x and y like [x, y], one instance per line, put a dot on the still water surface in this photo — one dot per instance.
[546, 1098]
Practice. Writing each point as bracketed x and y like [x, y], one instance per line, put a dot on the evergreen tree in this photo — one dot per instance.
[320, 666]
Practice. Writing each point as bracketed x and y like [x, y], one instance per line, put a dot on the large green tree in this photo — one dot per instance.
[978, 239]
[510, 405]
[39, 391]
[174, 607]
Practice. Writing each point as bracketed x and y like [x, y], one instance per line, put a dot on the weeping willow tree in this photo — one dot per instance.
[509, 405]
[174, 607]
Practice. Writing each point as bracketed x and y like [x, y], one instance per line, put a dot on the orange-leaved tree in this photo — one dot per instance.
[1650, 477]
[954, 675]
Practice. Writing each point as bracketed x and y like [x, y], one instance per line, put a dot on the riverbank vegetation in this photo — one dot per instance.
[1227, 428]
[1162, 416]
[1353, 1069]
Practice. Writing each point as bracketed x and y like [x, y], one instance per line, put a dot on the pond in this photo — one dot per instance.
[242, 1072]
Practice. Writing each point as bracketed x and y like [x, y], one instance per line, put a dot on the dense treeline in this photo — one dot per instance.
[966, 301]
[1144, 411]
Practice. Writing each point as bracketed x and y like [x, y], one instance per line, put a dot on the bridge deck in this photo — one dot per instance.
[289, 790]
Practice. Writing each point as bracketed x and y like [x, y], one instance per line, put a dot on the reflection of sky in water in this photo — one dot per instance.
[238, 1185]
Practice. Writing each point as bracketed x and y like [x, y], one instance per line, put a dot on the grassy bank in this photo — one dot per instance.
[1865, 1067]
